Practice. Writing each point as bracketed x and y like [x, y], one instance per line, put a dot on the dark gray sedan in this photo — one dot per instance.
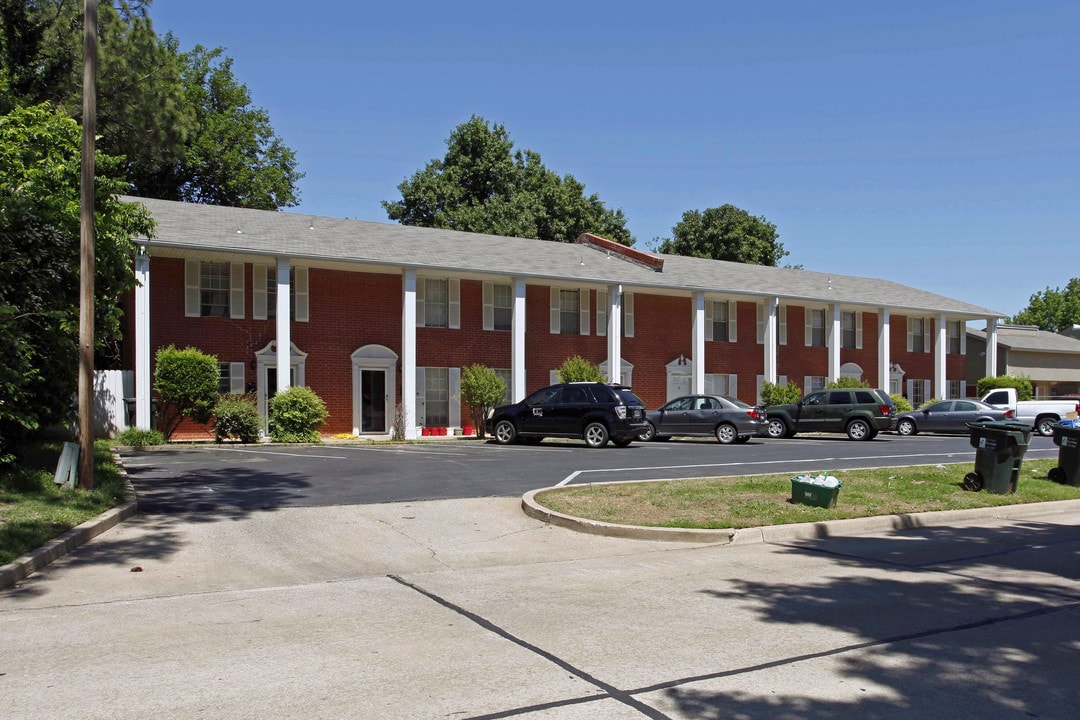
[726, 418]
[948, 416]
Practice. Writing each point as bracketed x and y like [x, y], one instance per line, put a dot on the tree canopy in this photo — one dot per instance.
[184, 126]
[1054, 309]
[725, 233]
[483, 185]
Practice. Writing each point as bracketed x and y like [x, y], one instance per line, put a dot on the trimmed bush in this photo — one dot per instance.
[775, 394]
[578, 369]
[902, 404]
[847, 382]
[1022, 384]
[296, 415]
[137, 438]
[481, 390]
[236, 417]
[187, 383]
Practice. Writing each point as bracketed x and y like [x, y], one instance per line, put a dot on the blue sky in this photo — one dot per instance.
[936, 144]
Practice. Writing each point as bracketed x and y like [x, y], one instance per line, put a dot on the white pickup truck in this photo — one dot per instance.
[1042, 415]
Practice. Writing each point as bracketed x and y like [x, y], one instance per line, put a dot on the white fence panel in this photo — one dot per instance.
[111, 388]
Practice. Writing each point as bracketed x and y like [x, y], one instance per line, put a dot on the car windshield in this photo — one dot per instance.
[628, 397]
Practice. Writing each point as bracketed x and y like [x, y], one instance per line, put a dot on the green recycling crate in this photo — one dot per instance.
[818, 491]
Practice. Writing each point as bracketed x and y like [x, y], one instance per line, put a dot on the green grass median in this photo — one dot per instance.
[760, 500]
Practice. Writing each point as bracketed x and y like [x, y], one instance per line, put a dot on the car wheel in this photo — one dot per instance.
[505, 432]
[649, 433]
[595, 435]
[726, 434]
[859, 429]
[777, 428]
[622, 442]
[1045, 425]
[906, 427]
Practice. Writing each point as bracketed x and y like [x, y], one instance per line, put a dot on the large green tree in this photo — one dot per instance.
[40, 160]
[725, 233]
[1053, 309]
[483, 185]
[183, 123]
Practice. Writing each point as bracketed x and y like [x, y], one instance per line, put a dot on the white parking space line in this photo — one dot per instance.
[300, 455]
[407, 450]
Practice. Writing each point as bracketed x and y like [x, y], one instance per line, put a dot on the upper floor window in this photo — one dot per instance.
[917, 334]
[851, 330]
[721, 318]
[815, 327]
[214, 289]
[626, 313]
[271, 293]
[956, 337]
[502, 306]
[436, 303]
[569, 312]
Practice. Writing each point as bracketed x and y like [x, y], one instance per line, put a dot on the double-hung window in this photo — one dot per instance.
[271, 294]
[815, 327]
[436, 303]
[720, 319]
[956, 337]
[570, 312]
[847, 330]
[214, 289]
[502, 306]
[917, 334]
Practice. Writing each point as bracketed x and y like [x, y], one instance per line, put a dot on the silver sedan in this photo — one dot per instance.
[726, 418]
[948, 416]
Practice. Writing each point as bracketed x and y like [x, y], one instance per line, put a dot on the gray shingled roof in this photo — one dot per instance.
[1030, 338]
[192, 228]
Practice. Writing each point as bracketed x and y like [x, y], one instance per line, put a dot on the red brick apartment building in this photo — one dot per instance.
[373, 316]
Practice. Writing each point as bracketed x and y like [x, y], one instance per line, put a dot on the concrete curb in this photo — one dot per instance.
[793, 532]
[33, 561]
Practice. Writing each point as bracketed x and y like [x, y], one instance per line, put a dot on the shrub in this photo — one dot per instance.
[236, 416]
[848, 382]
[296, 414]
[1022, 385]
[775, 394]
[578, 369]
[138, 438]
[481, 390]
[187, 382]
[902, 404]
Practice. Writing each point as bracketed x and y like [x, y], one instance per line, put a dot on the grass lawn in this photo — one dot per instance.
[758, 500]
[33, 510]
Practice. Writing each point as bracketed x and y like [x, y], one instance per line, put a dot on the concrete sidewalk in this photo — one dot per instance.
[471, 609]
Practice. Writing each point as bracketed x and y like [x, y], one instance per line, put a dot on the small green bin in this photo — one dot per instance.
[1068, 441]
[808, 493]
[999, 449]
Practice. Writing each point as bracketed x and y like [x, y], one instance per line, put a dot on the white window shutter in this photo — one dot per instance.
[963, 339]
[808, 314]
[858, 330]
[910, 340]
[553, 377]
[927, 390]
[583, 310]
[236, 378]
[807, 383]
[489, 306]
[454, 290]
[258, 291]
[782, 315]
[760, 382]
[601, 312]
[628, 314]
[302, 293]
[926, 334]
[708, 320]
[454, 375]
[192, 299]
[733, 321]
[236, 290]
[421, 314]
[760, 308]
[733, 385]
[556, 307]
[911, 392]
[963, 388]
[421, 396]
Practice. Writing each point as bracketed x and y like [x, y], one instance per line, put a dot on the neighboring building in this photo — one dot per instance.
[379, 318]
[1050, 360]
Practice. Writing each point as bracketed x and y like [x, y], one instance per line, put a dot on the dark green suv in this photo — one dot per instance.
[860, 412]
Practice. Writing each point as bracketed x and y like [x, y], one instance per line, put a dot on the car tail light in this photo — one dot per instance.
[885, 409]
[753, 412]
[1008, 414]
[620, 410]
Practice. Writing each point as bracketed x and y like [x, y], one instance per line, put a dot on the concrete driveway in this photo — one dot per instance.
[468, 609]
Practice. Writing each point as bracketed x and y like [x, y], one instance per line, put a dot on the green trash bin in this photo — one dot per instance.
[1068, 441]
[999, 449]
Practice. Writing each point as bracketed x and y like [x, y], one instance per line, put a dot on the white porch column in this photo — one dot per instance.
[941, 345]
[991, 347]
[408, 353]
[834, 340]
[284, 327]
[771, 338]
[517, 349]
[614, 333]
[142, 340]
[884, 371]
[697, 383]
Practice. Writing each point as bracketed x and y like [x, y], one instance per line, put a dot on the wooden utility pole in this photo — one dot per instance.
[86, 248]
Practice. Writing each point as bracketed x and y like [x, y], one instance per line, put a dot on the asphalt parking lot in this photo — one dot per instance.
[260, 477]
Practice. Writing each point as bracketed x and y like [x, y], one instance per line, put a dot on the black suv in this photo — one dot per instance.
[592, 411]
[860, 412]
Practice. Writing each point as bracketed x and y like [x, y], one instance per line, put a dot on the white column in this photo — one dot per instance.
[284, 327]
[991, 347]
[771, 338]
[834, 340]
[883, 350]
[517, 350]
[614, 333]
[698, 351]
[408, 353]
[142, 340]
[941, 345]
